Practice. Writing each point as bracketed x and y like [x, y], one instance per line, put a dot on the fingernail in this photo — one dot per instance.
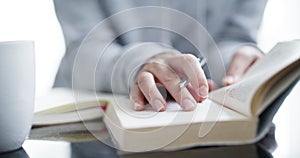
[188, 105]
[229, 80]
[203, 91]
[158, 105]
[138, 107]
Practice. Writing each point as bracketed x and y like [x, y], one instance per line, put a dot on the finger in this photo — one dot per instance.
[240, 63]
[170, 80]
[188, 65]
[212, 85]
[146, 84]
[194, 93]
[137, 97]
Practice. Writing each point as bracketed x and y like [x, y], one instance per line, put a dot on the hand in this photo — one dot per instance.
[244, 57]
[168, 69]
[212, 85]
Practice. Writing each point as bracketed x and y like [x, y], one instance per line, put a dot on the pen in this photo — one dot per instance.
[186, 81]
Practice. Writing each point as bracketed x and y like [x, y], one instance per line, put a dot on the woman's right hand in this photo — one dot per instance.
[169, 69]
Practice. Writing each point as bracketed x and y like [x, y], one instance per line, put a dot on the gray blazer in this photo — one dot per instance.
[109, 65]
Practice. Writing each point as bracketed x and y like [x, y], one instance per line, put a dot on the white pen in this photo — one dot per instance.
[186, 81]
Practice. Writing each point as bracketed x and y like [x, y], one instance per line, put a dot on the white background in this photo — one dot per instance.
[36, 20]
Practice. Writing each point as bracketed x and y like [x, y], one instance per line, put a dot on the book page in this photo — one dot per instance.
[174, 115]
[280, 56]
[67, 117]
[56, 98]
[279, 85]
[60, 100]
[239, 96]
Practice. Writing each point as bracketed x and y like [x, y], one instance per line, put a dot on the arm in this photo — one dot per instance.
[236, 37]
[77, 18]
[114, 70]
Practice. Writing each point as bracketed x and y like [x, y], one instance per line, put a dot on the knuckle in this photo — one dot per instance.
[248, 52]
[189, 58]
[239, 53]
[154, 65]
[157, 66]
[242, 55]
[142, 78]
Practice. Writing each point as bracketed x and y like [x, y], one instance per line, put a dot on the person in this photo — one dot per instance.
[156, 55]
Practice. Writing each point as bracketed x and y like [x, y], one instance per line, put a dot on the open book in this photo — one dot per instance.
[237, 114]
[60, 115]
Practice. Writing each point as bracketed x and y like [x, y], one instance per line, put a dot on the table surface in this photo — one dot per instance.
[283, 140]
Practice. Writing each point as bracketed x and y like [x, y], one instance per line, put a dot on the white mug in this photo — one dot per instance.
[17, 91]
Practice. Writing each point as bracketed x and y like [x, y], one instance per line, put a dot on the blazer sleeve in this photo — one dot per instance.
[97, 61]
[237, 24]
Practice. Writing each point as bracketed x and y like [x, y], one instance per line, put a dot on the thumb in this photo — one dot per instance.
[241, 61]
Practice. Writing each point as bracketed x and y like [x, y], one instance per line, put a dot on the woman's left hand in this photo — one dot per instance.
[242, 60]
